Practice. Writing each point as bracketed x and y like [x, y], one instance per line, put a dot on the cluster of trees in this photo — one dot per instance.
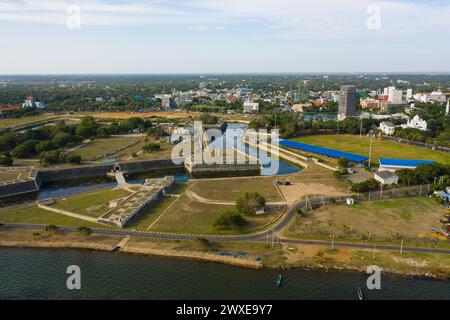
[47, 142]
[425, 174]
[208, 119]
[291, 124]
[230, 221]
[151, 147]
[247, 204]
[6, 160]
[438, 125]
[365, 186]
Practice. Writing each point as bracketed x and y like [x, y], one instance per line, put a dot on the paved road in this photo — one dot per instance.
[256, 237]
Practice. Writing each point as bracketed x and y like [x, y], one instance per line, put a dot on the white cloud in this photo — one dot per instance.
[302, 19]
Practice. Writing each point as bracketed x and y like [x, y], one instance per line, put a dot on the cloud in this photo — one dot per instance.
[289, 19]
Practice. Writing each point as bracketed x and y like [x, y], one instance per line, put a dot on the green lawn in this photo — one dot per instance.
[148, 216]
[229, 190]
[381, 149]
[34, 215]
[190, 216]
[410, 219]
[14, 122]
[104, 146]
[100, 199]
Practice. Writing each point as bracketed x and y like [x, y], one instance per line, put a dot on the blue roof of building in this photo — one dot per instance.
[323, 151]
[403, 162]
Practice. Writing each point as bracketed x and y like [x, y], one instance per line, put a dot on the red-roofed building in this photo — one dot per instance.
[10, 108]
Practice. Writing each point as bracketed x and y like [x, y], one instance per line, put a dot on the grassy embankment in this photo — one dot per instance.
[380, 149]
[383, 222]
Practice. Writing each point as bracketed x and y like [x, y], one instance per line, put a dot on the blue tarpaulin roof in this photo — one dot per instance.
[323, 151]
[403, 162]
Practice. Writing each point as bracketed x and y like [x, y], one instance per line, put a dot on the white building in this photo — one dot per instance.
[395, 96]
[416, 123]
[387, 128]
[250, 107]
[433, 97]
[386, 177]
[29, 103]
[409, 94]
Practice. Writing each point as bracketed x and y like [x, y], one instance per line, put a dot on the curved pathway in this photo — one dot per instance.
[255, 237]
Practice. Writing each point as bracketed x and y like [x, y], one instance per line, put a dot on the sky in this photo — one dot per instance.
[223, 36]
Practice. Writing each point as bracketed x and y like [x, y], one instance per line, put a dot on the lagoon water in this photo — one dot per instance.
[41, 274]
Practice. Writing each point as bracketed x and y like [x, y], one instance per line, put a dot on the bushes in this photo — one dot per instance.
[51, 157]
[343, 162]
[230, 221]
[6, 161]
[74, 159]
[151, 147]
[424, 173]
[249, 203]
[85, 231]
[365, 186]
[25, 149]
[51, 228]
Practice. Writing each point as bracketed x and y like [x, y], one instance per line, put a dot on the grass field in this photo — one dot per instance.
[16, 122]
[164, 153]
[383, 149]
[231, 189]
[104, 146]
[97, 200]
[10, 175]
[34, 215]
[410, 219]
[187, 215]
[145, 219]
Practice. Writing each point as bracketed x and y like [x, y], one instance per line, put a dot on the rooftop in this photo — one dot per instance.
[403, 162]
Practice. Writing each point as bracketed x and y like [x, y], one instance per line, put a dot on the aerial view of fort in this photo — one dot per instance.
[267, 172]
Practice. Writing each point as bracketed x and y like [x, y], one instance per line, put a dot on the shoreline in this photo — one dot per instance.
[143, 248]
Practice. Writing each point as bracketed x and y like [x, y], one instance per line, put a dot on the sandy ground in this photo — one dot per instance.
[299, 190]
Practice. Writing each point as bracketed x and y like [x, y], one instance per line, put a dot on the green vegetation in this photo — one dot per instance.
[91, 204]
[231, 189]
[230, 221]
[145, 219]
[427, 173]
[343, 162]
[6, 160]
[103, 147]
[388, 221]
[208, 119]
[365, 186]
[249, 203]
[438, 132]
[381, 149]
[151, 147]
[34, 215]
[188, 215]
[47, 142]
[24, 117]
[85, 231]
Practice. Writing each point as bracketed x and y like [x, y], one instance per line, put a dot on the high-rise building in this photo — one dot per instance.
[347, 101]
[395, 96]
[409, 94]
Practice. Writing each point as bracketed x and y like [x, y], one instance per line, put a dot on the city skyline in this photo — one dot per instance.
[165, 37]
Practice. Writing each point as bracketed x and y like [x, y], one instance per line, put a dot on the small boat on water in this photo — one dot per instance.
[279, 280]
[360, 294]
